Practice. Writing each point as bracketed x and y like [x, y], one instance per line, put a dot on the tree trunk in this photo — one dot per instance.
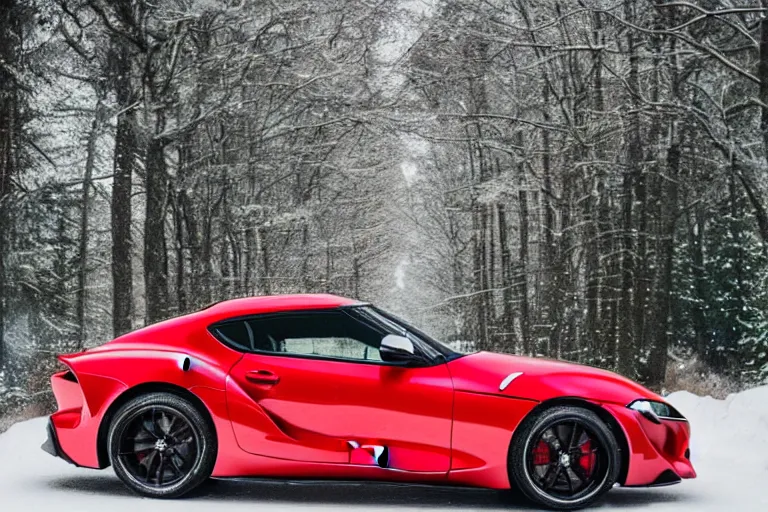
[355, 271]
[306, 275]
[10, 37]
[736, 238]
[523, 287]
[605, 280]
[124, 163]
[181, 270]
[178, 227]
[626, 346]
[155, 254]
[477, 302]
[328, 262]
[658, 355]
[626, 338]
[762, 75]
[484, 285]
[261, 241]
[193, 238]
[551, 299]
[3, 228]
[82, 272]
[647, 180]
[562, 287]
[508, 315]
[696, 245]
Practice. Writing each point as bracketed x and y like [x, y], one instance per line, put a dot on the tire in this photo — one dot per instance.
[161, 446]
[564, 479]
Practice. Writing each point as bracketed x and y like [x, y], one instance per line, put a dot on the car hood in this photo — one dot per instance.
[543, 379]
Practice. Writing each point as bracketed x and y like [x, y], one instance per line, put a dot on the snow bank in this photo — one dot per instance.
[727, 431]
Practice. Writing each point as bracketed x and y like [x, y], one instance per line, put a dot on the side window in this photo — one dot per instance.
[236, 335]
[344, 348]
[325, 334]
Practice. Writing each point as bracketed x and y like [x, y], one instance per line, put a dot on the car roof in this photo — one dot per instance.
[230, 309]
[275, 303]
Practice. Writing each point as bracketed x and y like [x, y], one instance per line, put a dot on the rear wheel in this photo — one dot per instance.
[161, 446]
[564, 458]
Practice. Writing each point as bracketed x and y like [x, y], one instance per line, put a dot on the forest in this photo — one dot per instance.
[572, 179]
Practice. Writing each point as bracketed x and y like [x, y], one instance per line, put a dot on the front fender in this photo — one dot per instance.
[602, 388]
[542, 379]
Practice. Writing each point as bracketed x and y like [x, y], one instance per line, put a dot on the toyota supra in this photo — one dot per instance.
[324, 387]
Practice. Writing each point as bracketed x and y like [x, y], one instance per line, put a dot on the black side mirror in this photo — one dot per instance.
[399, 349]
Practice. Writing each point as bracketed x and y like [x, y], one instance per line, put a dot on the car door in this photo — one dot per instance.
[312, 387]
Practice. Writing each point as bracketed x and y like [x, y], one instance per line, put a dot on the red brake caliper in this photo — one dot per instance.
[587, 461]
[541, 454]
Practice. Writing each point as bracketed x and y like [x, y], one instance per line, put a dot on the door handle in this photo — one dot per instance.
[262, 377]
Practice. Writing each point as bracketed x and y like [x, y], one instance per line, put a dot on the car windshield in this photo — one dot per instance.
[396, 325]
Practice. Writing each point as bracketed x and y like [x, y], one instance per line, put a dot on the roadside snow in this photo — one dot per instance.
[729, 437]
[729, 449]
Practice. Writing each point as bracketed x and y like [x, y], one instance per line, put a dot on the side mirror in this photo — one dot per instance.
[398, 349]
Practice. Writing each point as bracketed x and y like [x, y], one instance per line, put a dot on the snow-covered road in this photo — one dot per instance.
[729, 450]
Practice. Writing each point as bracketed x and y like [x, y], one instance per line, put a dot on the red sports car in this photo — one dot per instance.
[321, 386]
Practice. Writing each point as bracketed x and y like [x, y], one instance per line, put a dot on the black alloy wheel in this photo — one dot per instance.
[564, 458]
[161, 446]
[566, 461]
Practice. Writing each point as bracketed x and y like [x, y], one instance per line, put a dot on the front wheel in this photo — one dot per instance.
[564, 458]
[161, 445]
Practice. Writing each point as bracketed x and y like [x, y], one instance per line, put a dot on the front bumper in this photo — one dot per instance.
[658, 454]
[52, 446]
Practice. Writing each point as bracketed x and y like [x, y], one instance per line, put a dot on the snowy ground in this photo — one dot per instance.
[729, 451]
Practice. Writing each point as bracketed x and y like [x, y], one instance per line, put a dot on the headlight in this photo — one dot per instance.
[656, 411]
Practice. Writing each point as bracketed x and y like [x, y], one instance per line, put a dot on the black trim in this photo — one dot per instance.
[667, 477]
[52, 446]
[667, 418]
[355, 305]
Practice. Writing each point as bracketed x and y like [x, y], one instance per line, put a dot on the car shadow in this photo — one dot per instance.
[360, 493]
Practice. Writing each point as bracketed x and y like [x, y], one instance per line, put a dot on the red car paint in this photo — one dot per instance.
[293, 417]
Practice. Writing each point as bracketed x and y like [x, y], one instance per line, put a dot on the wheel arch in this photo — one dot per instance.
[137, 391]
[602, 413]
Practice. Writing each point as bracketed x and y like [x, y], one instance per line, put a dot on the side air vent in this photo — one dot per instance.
[382, 458]
[69, 376]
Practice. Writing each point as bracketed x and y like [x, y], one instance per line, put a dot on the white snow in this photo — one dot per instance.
[729, 450]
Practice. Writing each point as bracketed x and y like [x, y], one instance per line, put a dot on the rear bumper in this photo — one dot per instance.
[52, 446]
[74, 428]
